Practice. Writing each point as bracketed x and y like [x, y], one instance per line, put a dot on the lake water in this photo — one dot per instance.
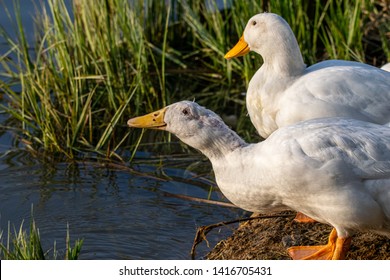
[121, 213]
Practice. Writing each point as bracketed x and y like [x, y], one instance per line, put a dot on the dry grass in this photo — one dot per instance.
[268, 239]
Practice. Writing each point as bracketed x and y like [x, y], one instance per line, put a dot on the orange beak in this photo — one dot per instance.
[153, 120]
[240, 49]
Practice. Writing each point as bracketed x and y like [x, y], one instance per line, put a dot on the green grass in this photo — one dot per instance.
[70, 92]
[23, 245]
[92, 67]
[80, 81]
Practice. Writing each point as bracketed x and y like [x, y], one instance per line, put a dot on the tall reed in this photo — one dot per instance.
[96, 64]
[88, 71]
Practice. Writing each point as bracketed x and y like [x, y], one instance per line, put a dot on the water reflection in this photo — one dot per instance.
[119, 213]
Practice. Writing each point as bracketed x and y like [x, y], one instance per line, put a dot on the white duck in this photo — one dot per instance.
[284, 91]
[335, 170]
[386, 67]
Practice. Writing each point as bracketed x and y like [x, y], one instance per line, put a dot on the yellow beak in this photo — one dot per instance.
[240, 49]
[153, 120]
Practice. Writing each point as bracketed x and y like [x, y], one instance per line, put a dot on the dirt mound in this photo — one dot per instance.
[268, 239]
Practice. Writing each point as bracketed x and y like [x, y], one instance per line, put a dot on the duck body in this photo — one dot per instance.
[334, 170]
[332, 88]
[386, 67]
[284, 91]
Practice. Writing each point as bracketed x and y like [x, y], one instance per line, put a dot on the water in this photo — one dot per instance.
[120, 213]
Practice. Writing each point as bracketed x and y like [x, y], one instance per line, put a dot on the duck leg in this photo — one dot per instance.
[302, 218]
[336, 249]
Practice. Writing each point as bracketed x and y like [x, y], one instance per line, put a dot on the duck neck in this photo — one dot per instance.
[222, 144]
[287, 61]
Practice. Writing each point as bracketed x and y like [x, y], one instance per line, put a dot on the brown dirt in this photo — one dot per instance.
[268, 239]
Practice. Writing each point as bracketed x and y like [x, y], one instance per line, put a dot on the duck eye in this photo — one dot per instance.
[185, 111]
[254, 23]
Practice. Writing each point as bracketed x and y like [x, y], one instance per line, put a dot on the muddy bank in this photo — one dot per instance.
[268, 239]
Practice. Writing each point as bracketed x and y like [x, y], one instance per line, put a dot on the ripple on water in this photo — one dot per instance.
[120, 215]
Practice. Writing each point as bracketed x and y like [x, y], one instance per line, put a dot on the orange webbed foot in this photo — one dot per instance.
[302, 218]
[336, 249]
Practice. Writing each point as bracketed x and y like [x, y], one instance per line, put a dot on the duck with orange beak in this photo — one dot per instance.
[334, 170]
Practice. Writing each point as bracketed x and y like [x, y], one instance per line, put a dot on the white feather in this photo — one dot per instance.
[284, 91]
[334, 170]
